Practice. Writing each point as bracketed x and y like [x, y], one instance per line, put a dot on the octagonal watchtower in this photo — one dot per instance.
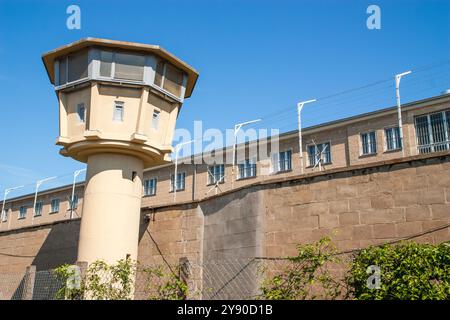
[118, 105]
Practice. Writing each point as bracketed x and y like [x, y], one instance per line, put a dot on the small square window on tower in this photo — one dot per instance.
[81, 111]
[118, 111]
[155, 119]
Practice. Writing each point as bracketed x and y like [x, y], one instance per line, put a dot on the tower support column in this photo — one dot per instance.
[111, 208]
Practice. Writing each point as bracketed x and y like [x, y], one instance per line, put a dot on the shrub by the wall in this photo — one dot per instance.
[408, 271]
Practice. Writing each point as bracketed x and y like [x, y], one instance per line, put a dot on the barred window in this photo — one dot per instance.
[180, 184]
[216, 174]
[150, 187]
[282, 161]
[38, 208]
[22, 212]
[247, 169]
[433, 132]
[74, 202]
[369, 143]
[393, 141]
[54, 206]
[319, 152]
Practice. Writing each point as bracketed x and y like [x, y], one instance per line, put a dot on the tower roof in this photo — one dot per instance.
[49, 57]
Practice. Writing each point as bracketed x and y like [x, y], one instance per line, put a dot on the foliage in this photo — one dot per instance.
[100, 282]
[409, 271]
[70, 290]
[307, 276]
[163, 285]
[110, 282]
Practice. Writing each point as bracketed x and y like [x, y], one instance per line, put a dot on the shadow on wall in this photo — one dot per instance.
[59, 247]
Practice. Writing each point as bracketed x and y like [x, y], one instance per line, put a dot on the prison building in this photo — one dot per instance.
[369, 189]
[360, 140]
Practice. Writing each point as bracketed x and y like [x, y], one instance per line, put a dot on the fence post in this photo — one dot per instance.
[83, 265]
[28, 288]
[185, 272]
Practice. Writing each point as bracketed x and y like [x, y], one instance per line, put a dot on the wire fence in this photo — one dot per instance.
[241, 278]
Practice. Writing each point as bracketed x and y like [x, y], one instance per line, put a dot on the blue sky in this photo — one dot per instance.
[255, 59]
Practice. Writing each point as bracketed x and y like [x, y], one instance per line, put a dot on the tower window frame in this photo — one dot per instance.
[119, 111]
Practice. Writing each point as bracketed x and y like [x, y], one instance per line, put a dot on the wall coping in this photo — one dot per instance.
[306, 176]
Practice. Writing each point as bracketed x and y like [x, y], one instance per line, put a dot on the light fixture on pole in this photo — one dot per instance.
[72, 198]
[398, 77]
[238, 127]
[7, 191]
[300, 143]
[38, 184]
[175, 177]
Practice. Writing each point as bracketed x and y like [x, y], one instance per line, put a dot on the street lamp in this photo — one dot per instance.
[72, 198]
[237, 127]
[398, 77]
[38, 184]
[175, 177]
[300, 143]
[7, 191]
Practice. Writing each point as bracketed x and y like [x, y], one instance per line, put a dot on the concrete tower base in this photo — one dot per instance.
[111, 208]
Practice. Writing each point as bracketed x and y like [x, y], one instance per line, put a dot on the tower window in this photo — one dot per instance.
[118, 111]
[169, 78]
[81, 111]
[129, 66]
[155, 119]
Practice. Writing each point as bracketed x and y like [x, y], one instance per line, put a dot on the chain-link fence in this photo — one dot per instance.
[211, 280]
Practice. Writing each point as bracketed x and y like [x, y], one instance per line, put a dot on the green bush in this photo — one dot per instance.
[408, 271]
[307, 275]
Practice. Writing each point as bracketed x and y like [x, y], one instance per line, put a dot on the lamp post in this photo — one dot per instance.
[300, 106]
[237, 127]
[398, 77]
[175, 177]
[7, 191]
[72, 198]
[38, 184]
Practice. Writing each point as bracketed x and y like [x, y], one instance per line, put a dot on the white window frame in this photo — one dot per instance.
[385, 141]
[171, 185]
[210, 174]
[315, 152]
[155, 189]
[432, 144]
[36, 214]
[251, 162]
[24, 215]
[122, 106]
[361, 153]
[155, 121]
[275, 167]
[52, 210]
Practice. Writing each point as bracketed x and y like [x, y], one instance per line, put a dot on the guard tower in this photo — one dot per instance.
[118, 104]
